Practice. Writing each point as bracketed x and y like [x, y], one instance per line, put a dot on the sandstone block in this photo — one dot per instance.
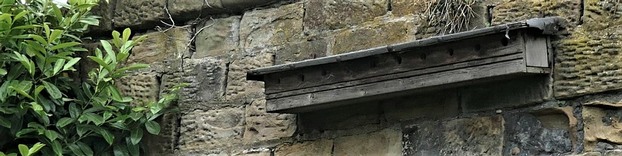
[587, 62]
[139, 13]
[549, 131]
[307, 148]
[206, 80]
[238, 88]
[425, 106]
[385, 142]
[335, 14]
[466, 136]
[409, 7]
[162, 46]
[218, 37]
[511, 11]
[377, 33]
[186, 9]
[601, 128]
[269, 27]
[301, 51]
[261, 126]
[202, 130]
[142, 87]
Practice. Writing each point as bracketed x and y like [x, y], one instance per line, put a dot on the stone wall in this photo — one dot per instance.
[222, 113]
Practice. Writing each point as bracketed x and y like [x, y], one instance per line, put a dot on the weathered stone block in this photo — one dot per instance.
[307, 148]
[409, 7]
[238, 88]
[601, 14]
[104, 9]
[505, 93]
[422, 106]
[518, 10]
[466, 136]
[142, 87]
[601, 128]
[139, 13]
[202, 130]
[385, 142]
[206, 80]
[186, 9]
[269, 27]
[544, 132]
[335, 14]
[588, 62]
[261, 126]
[301, 51]
[162, 46]
[377, 33]
[217, 38]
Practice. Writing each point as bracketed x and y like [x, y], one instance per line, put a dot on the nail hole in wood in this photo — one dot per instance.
[301, 77]
[423, 56]
[450, 52]
[505, 41]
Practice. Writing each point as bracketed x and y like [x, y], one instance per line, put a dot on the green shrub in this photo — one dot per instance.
[39, 102]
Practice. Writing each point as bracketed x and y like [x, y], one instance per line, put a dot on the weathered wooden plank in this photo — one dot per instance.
[385, 89]
[516, 56]
[536, 48]
[408, 60]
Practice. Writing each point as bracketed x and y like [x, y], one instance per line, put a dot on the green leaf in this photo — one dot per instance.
[24, 131]
[52, 90]
[20, 15]
[74, 112]
[120, 150]
[85, 148]
[58, 65]
[23, 150]
[97, 119]
[51, 134]
[107, 136]
[38, 39]
[136, 135]
[35, 148]
[5, 122]
[55, 35]
[76, 150]
[101, 63]
[152, 127]
[57, 148]
[108, 49]
[70, 64]
[89, 21]
[64, 122]
[126, 34]
[65, 45]
[2, 72]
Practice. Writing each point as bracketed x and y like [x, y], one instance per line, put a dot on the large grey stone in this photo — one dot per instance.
[104, 9]
[206, 79]
[217, 38]
[143, 87]
[465, 136]
[386, 142]
[544, 132]
[270, 27]
[238, 88]
[376, 33]
[301, 51]
[335, 14]
[162, 46]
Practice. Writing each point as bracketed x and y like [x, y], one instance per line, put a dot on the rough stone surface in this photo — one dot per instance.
[386, 142]
[307, 148]
[162, 46]
[139, 13]
[218, 37]
[516, 10]
[238, 88]
[269, 27]
[545, 132]
[301, 51]
[142, 87]
[425, 106]
[104, 9]
[378, 33]
[206, 80]
[186, 9]
[203, 130]
[466, 136]
[587, 62]
[602, 128]
[409, 7]
[335, 14]
[261, 126]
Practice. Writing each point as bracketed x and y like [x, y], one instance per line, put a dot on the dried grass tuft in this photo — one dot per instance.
[450, 16]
